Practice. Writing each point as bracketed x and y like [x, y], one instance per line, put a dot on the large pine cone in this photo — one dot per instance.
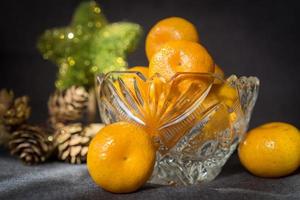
[72, 141]
[68, 105]
[31, 143]
[18, 112]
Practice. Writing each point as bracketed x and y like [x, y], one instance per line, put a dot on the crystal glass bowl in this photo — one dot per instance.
[196, 120]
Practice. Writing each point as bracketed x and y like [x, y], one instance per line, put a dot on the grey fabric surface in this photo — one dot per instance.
[56, 180]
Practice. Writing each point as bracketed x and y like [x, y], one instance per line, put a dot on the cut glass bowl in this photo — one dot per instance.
[196, 120]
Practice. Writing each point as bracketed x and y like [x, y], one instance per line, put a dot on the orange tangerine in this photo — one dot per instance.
[181, 56]
[172, 28]
[121, 157]
[271, 150]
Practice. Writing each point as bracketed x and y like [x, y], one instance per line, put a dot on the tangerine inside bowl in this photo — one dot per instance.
[195, 119]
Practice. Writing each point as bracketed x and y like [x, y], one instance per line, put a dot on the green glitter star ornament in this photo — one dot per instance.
[89, 45]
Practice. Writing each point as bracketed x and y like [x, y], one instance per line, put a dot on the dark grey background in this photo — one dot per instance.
[258, 38]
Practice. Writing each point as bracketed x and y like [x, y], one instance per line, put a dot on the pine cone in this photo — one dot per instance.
[66, 106]
[31, 143]
[18, 112]
[72, 141]
[6, 99]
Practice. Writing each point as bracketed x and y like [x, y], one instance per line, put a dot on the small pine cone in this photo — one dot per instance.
[31, 143]
[68, 105]
[72, 141]
[6, 99]
[18, 112]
